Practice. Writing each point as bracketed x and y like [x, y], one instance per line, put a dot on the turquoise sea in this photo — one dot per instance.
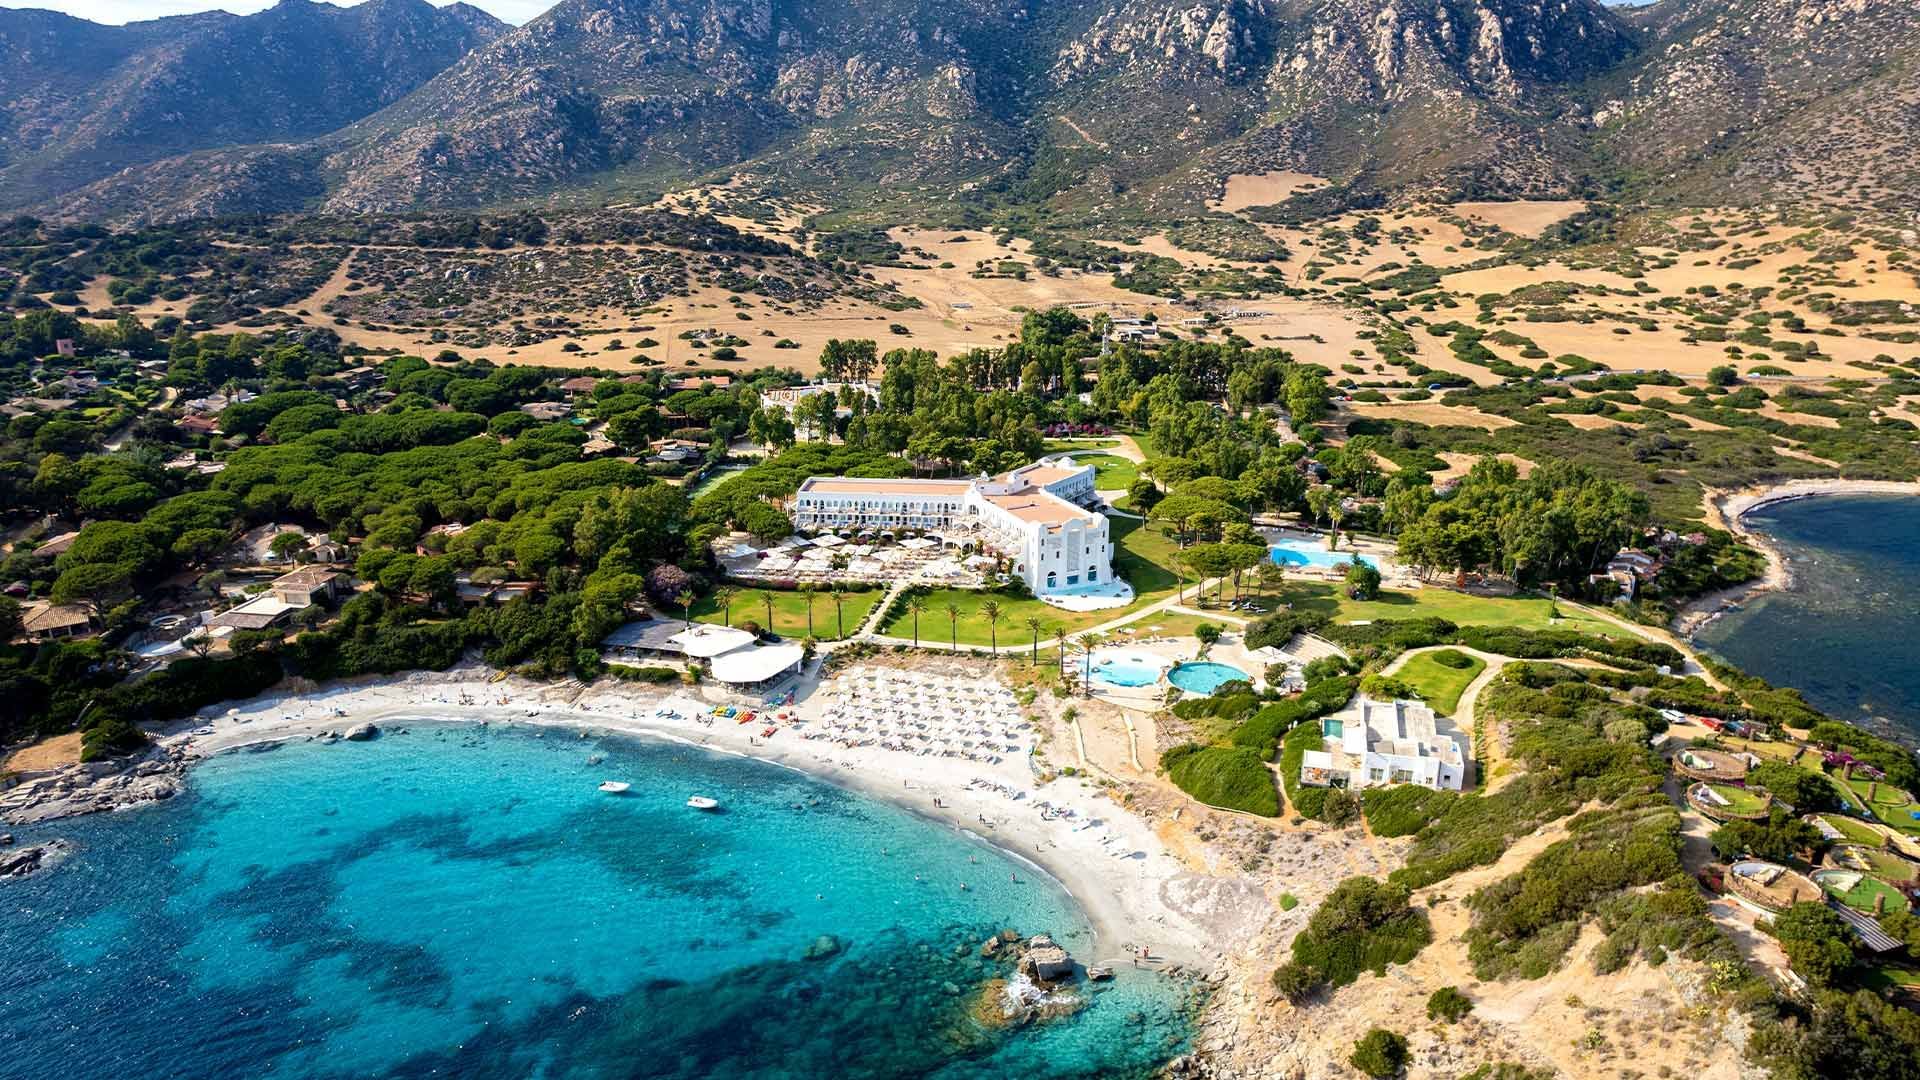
[1846, 633]
[460, 901]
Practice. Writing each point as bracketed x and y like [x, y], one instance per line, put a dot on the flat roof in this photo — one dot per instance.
[1039, 507]
[756, 664]
[707, 640]
[1047, 474]
[862, 485]
[655, 635]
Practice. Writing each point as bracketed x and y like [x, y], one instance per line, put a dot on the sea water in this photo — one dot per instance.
[1847, 633]
[461, 901]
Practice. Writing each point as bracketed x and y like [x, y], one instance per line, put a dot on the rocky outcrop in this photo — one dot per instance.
[362, 733]
[1043, 961]
[32, 859]
[95, 786]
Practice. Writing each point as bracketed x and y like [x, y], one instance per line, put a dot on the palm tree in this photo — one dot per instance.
[685, 600]
[766, 598]
[1033, 624]
[1060, 645]
[839, 598]
[953, 623]
[916, 605]
[991, 609]
[809, 592]
[1087, 643]
[724, 597]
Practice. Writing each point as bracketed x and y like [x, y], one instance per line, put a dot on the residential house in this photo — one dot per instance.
[287, 594]
[50, 621]
[1376, 743]
[547, 410]
[579, 384]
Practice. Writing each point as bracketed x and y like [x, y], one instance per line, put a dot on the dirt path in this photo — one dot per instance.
[1486, 744]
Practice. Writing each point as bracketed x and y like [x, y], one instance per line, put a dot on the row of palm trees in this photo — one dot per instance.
[725, 595]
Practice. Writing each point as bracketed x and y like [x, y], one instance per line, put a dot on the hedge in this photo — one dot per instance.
[1226, 777]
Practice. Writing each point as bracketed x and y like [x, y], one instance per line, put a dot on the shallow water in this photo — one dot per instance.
[462, 901]
[1847, 633]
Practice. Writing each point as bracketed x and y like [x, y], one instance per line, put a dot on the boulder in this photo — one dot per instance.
[362, 732]
[823, 947]
[1045, 961]
[33, 858]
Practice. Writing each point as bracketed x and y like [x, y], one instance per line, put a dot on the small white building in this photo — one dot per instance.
[1031, 514]
[787, 397]
[1379, 743]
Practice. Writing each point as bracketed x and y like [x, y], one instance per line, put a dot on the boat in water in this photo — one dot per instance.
[701, 802]
[615, 787]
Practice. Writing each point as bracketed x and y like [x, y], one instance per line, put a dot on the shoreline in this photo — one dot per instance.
[1728, 510]
[1119, 897]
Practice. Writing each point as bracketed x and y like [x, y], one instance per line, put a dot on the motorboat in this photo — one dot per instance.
[615, 787]
[701, 802]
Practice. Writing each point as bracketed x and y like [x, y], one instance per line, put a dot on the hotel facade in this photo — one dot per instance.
[1036, 515]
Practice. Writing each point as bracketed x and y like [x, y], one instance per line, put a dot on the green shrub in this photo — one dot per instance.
[1448, 1004]
[1404, 809]
[1228, 777]
[1380, 1054]
[1364, 925]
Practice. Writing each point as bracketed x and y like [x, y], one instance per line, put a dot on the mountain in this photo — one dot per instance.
[1091, 108]
[1765, 100]
[84, 101]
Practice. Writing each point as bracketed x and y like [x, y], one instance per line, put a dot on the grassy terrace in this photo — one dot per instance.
[1141, 556]
[1887, 803]
[1437, 677]
[1865, 893]
[1855, 831]
[1456, 607]
[1739, 800]
[790, 611]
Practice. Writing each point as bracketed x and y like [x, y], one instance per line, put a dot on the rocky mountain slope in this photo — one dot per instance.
[79, 101]
[1083, 105]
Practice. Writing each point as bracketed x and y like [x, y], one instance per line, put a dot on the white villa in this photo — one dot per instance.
[1034, 515]
[1373, 743]
[786, 397]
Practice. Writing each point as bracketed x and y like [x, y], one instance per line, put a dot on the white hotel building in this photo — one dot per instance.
[1377, 743]
[1034, 515]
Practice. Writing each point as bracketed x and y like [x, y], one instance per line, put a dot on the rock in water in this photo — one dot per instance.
[823, 947]
[33, 858]
[1045, 961]
[362, 732]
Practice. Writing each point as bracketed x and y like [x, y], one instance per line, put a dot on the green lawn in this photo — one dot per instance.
[1739, 800]
[1864, 894]
[1889, 804]
[1854, 830]
[1231, 777]
[1440, 686]
[790, 611]
[1456, 607]
[1110, 473]
[1140, 556]
[1067, 446]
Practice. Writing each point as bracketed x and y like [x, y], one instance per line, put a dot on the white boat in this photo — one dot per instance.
[701, 802]
[615, 787]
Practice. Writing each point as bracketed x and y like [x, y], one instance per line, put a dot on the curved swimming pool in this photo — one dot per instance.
[1309, 553]
[1125, 671]
[1204, 677]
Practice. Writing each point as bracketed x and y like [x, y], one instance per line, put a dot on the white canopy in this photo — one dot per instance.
[756, 664]
[828, 540]
[705, 640]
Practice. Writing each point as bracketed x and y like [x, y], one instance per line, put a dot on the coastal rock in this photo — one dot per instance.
[1044, 961]
[824, 947]
[990, 948]
[33, 858]
[94, 786]
[362, 733]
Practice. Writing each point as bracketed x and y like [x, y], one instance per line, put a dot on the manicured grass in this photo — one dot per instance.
[1887, 977]
[1863, 895]
[1891, 805]
[1140, 556]
[1739, 800]
[1064, 446]
[790, 612]
[1853, 829]
[1456, 607]
[1440, 686]
[1228, 777]
[1110, 473]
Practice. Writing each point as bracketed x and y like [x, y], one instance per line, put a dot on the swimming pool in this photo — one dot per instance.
[1311, 553]
[1205, 677]
[1125, 671]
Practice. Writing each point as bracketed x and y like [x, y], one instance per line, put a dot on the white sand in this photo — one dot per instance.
[1122, 897]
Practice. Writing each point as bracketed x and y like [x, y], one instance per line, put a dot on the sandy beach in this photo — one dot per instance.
[1127, 898]
[1728, 509]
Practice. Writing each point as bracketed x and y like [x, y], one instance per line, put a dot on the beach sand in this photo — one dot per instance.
[1728, 509]
[1149, 898]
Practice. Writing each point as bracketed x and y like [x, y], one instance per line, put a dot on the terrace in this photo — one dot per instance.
[1770, 888]
[1725, 802]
